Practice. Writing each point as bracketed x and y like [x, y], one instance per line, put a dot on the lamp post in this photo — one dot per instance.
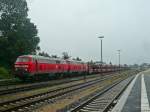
[101, 38]
[119, 58]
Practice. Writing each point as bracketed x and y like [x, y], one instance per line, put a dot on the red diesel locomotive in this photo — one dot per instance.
[33, 66]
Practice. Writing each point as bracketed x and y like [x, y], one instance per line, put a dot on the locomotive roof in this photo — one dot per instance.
[40, 57]
[49, 58]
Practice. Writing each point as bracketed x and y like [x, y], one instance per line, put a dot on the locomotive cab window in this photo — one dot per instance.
[23, 59]
[33, 60]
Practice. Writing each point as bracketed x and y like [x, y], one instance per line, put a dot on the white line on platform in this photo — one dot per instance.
[144, 100]
[119, 106]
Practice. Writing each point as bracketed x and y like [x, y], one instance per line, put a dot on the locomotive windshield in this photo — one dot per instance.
[22, 59]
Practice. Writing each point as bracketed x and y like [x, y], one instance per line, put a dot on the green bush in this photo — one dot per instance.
[4, 74]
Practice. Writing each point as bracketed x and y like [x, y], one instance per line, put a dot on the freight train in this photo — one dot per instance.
[34, 66]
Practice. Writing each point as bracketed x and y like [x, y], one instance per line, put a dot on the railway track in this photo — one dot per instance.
[26, 103]
[104, 100]
[8, 82]
[26, 87]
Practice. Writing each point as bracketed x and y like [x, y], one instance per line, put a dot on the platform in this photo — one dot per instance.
[136, 97]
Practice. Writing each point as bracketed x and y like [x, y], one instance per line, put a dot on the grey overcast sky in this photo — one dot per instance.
[74, 25]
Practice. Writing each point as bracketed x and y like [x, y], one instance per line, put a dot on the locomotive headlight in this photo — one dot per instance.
[26, 69]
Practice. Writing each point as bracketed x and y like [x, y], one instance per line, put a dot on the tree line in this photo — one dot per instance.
[65, 56]
[18, 35]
